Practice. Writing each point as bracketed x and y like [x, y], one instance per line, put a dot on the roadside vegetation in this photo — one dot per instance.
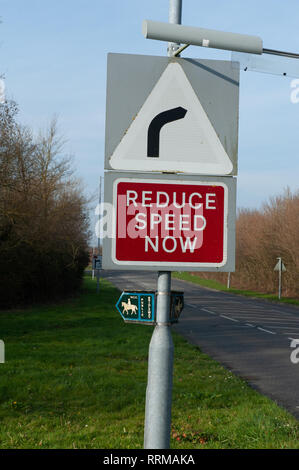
[75, 377]
[262, 236]
[217, 285]
[43, 215]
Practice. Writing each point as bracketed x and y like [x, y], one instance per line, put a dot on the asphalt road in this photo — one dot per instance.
[251, 337]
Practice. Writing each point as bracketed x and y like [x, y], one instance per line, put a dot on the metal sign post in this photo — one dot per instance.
[228, 281]
[160, 361]
[2, 352]
[280, 267]
[170, 191]
[279, 280]
[160, 369]
[99, 261]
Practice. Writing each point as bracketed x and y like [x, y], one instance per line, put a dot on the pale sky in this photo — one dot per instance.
[53, 55]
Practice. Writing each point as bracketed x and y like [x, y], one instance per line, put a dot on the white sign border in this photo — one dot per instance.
[119, 159]
[168, 263]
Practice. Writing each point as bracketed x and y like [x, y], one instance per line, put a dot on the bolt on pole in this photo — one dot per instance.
[160, 361]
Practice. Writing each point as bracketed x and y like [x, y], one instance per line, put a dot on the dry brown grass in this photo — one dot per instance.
[262, 236]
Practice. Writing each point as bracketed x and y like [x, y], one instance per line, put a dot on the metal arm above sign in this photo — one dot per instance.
[202, 37]
[191, 35]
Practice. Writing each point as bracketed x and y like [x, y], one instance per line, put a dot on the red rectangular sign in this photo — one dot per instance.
[169, 223]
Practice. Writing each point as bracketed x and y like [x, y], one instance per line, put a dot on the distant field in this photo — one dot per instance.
[76, 375]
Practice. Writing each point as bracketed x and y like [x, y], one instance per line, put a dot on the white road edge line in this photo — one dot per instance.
[283, 327]
[249, 324]
[266, 331]
[209, 311]
[228, 318]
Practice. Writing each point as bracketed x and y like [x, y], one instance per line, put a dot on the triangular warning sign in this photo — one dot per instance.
[172, 132]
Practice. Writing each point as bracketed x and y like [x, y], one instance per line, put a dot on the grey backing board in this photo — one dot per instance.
[131, 78]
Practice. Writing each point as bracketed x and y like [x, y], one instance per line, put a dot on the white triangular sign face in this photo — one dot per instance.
[172, 132]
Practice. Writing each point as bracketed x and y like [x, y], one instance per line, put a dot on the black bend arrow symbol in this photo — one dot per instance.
[153, 135]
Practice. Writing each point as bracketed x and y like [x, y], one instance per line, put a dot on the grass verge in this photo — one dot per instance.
[75, 377]
[213, 284]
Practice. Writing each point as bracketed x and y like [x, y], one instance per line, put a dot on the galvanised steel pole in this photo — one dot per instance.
[99, 237]
[279, 277]
[175, 17]
[160, 361]
[160, 368]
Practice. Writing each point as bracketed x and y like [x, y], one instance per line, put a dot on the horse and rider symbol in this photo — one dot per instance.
[128, 307]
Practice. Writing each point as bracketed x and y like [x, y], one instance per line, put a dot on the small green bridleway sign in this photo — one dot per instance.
[140, 306]
[137, 307]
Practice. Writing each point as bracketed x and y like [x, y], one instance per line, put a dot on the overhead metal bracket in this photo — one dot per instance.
[181, 49]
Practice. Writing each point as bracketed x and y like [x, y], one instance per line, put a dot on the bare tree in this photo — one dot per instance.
[43, 211]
